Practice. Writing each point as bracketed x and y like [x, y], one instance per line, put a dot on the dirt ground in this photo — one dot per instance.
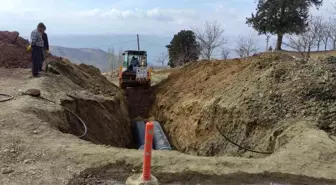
[38, 145]
[253, 102]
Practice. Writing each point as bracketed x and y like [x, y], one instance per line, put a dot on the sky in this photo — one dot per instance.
[158, 17]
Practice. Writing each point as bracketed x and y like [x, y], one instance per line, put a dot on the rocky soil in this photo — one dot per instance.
[13, 51]
[265, 102]
[252, 101]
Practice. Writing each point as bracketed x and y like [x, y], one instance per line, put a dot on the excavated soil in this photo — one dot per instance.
[99, 103]
[13, 52]
[252, 101]
[38, 143]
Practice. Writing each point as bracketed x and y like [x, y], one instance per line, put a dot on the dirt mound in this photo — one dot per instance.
[253, 101]
[86, 76]
[13, 53]
[84, 91]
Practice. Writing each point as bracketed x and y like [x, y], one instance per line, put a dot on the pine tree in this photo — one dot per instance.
[282, 17]
[183, 48]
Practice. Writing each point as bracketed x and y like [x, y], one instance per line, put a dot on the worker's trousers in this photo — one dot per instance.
[37, 57]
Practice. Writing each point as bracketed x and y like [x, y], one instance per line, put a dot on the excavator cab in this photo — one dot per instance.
[134, 71]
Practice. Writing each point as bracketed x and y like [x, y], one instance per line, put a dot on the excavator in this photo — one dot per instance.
[135, 71]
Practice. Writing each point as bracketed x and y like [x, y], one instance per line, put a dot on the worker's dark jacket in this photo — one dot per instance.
[45, 41]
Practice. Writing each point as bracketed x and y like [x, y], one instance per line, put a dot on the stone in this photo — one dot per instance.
[33, 92]
[137, 180]
[27, 161]
[6, 170]
[53, 70]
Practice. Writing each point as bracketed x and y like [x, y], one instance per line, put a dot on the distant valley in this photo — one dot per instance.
[95, 57]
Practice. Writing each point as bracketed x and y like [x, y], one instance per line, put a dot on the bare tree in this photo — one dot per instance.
[111, 59]
[316, 26]
[326, 34]
[246, 46]
[304, 42]
[210, 38]
[162, 58]
[225, 52]
[120, 57]
[332, 28]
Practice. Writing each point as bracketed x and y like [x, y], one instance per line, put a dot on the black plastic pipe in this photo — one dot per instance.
[160, 140]
[139, 128]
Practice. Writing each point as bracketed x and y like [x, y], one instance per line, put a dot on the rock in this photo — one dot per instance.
[27, 161]
[53, 70]
[35, 132]
[7, 37]
[33, 92]
[6, 170]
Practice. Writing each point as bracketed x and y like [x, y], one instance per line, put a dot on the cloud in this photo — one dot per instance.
[152, 16]
[156, 14]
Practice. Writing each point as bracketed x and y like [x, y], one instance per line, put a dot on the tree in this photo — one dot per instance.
[120, 57]
[316, 25]
[111, 59]
[161, 59]
[326, 34]
[332, 30]
[183, 48]
[281, 17]
[305, 41]
[245, 46]
[225, 52]
[210, 38]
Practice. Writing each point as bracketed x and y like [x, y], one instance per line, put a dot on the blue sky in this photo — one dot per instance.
[159, 17]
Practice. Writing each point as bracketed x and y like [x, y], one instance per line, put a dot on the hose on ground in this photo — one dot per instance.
[242, 147]
[83, 123]
[9, 97]
[332, 137]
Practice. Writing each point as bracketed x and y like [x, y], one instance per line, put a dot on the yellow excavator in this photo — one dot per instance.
[135, 71]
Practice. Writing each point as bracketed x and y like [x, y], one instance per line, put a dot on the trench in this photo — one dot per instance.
[104, 118]
[109, 124]
[116, 174]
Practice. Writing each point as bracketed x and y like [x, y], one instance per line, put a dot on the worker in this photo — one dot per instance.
[45, 49]
[37, 48]
[134, 63]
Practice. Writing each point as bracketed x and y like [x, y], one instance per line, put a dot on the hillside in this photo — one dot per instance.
[313, 54]
[90, 56]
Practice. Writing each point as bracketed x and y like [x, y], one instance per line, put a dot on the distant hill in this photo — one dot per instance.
[154, 45]
[95, 57]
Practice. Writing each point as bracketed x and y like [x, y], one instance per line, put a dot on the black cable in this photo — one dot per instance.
[84, 125]
[331, 137]
[245, 148]
[9, 97]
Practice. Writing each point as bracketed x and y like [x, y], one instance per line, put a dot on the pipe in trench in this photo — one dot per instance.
[138, 129]
[160, 141]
